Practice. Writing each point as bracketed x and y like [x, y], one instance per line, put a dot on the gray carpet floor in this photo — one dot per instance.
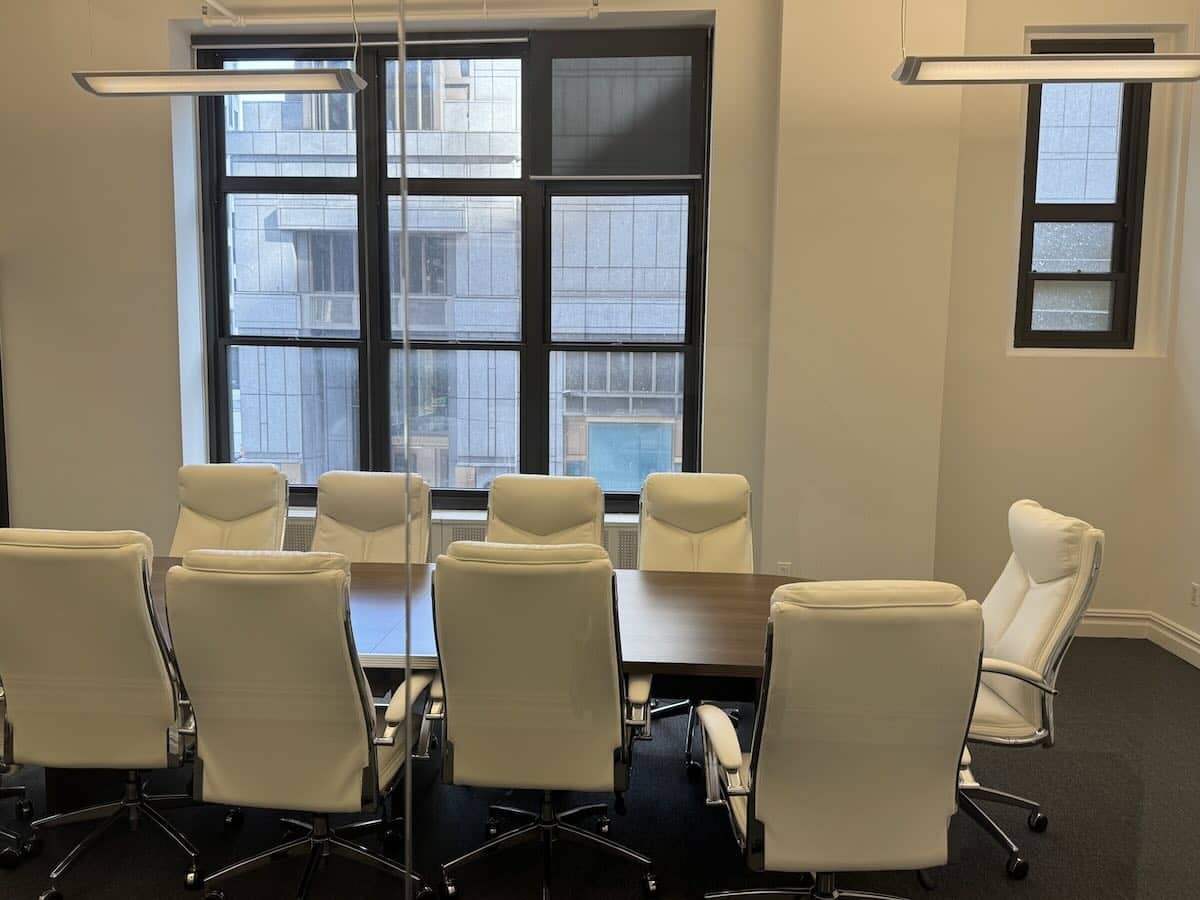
[1121, 789]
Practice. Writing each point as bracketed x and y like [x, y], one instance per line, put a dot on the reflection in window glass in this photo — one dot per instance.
[463, 414]
[463, 118]
[290, 135]
[1079, 143]
[464, 262]
[296, 407]
[618, 268]
[1072, 305]
[621, 116]
[293, 265]
[615, 434]
[1072, 246]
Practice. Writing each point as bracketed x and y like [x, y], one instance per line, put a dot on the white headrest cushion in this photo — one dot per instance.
[231, 491]
[264, 562]
[370, 500]
[695, 501]
[525, 554]
[90, 540]
[545, 504]
[1048, 545]
[868, 594]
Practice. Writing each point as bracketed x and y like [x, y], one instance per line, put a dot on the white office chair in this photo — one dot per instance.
[863, 714]
[229, 506]
[545, 509]
[691, 522]
[536, 708]
[1030, 614]
[88, 680]
[284, 716]
[365, 516]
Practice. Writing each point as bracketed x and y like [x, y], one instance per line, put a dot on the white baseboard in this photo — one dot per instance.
[1145, 624]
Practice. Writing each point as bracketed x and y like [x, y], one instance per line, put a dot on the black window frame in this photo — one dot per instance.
[1125, 213]
[374, 188]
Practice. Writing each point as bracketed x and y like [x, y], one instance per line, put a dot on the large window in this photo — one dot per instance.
[553, 251]
[1085, 174]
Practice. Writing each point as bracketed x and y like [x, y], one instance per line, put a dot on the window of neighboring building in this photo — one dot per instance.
[555, 227]
[1085, 178]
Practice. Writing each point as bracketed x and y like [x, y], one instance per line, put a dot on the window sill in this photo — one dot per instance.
[1094, 352]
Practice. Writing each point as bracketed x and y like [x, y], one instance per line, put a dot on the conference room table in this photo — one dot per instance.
[700, 634]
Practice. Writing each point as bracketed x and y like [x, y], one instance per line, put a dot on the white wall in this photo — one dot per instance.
[88, 289]
[863, 237]
[1082, 432]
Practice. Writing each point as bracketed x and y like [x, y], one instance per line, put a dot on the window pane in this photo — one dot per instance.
[293, 265]
[463, 414]
[463, 118]
[621, 116]
[464, 262]
[296, 407]
[1072, 246]
[1079, 143]
[616, 435]
[618, 268]
[1072, 305]
[290, 134]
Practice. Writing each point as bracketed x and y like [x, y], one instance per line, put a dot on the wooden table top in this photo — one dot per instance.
[681, 623]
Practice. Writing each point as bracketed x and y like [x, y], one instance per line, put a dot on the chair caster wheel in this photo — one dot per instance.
[1017, 868]
[695, 771]
[604, 825]
[50, 894]
[234, 817]
[426, 893]
[449, 888]
[392, 839]
[650, 884]
[735, 715]
[925, 877]
[24, 810]
[493, 827]
[10, 858]
[194, 879]
[1038, 822]
[214, 895]
[31, 846]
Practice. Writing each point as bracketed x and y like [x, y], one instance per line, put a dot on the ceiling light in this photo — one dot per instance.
[1048, 67]
[203, 82]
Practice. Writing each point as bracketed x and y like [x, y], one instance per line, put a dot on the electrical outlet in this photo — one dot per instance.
[785, 568]
[1195, 594]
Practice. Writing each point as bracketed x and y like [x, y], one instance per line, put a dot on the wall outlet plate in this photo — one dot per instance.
[783, 568]
[1195, 594]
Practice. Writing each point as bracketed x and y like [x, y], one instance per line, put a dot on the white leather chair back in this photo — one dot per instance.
[87, 681]
[532, 683]
[1032, 611]
[696, 522]
[366, 516]
[284, 717]
[229, 506]
[868, 696]
[545, 509]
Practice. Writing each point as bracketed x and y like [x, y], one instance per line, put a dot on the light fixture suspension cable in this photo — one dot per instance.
[357, 36]
[903, 28]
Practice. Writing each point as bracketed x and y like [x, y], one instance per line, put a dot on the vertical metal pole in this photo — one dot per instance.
[401, 66]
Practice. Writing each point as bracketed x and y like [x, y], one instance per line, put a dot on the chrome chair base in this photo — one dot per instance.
[546, 827]
[320, 842]
[822, 888]
[135, 807]
[1017, 866]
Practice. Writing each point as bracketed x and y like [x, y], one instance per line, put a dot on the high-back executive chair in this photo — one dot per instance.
[862, 718]
[1030, 615]
[691, 522]
[366, 516]
[284, 716]
[107, 696]
[533, 708]
[230, 506]
[545, 509]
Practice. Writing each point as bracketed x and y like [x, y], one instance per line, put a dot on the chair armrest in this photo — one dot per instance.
[187, 718]
[397, 710]
[722, 756]
[1017, 671]
[637, 704]
[638, 690]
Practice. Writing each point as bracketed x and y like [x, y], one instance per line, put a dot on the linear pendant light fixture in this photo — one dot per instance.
[1042, 68]
[210, 82]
